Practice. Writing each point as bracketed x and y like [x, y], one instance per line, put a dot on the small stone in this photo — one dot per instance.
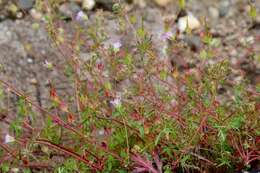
[33, 81]
[45, 149]
[162, 3]
[233, 53]
[250, 39]
[189, 21]
[105, 4]
[36, 14]
[101, 132]
[193, 42]
[69, 9]
[30, 60]
[19, 15]
[25, 4]
[88, 4]
[140, 3]
[224, 8]
[15, 170]
[247, 40]
[214, 13]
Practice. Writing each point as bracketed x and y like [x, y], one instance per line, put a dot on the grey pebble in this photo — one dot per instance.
[69, 9]
[25, 4]
[224, 7]
[193, 42]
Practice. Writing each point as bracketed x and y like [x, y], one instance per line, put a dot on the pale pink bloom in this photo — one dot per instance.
[167, 35]
[9, 139]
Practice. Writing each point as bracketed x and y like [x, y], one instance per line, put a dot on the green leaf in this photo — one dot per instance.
[165, 131]
[128, 59]
[16, 127]
[108, 85]
[133, 19]
[236, 122]
[5, 167]
[141, 32]
[70, 165]
[163, 74]
[222, 133]
[215, 42]
[258, 88]
[21, 106]
[68, 70]
[1, 92]
[141, 130]
[116, 8]
[203, 54]
[207, 39]
[252, 12]
[182, 3]
[26, 170]
[158, 138]
[167, 169]
[224, 159]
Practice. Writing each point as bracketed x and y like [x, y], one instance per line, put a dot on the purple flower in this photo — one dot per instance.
[81, 16]
[116, 46]
[167, 35]
[116, 102]
[48, 64]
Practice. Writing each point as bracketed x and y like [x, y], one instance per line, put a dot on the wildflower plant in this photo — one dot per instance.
[127, 110]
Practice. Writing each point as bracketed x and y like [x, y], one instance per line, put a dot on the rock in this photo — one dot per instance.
[193, 42]
[35, 14]
[105, 4]
[247, 40]
[15, 170]
[88, 4]
[33, 81]
[140, 3]
[19, 15]
[189, 21]
[25, 4]
[162, 3]
[29, 60]
[10, 38]
[224, 8]
[214, 13]
[69, 9]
